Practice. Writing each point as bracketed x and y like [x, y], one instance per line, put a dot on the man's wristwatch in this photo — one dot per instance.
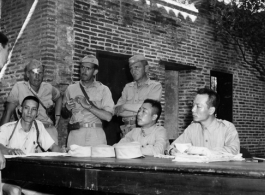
[169, 151]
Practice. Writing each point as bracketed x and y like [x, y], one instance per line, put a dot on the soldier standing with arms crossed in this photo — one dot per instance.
[134, 93]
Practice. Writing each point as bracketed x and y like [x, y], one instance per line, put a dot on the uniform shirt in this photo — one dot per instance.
[132, 94]
[98, 93]
[154, 139]
[26, 141]
[220, 135]
[47, 94]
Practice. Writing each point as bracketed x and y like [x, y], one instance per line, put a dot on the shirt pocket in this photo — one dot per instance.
[130, 95]
[97, 96]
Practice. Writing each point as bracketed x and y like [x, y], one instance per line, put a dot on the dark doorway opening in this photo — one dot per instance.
[222, 83]
[113, 72]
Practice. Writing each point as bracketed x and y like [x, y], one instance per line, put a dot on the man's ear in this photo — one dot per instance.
[37, 113]
[146, 68]
[212, 110]
[1, 47]
[95, 72]
[20, 108]
[27, 73]
[154, 117]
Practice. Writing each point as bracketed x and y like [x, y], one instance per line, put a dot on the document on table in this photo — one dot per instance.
[43, 154]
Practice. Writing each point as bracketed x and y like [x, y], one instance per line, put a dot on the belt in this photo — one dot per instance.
[89, 125]
[48, 125]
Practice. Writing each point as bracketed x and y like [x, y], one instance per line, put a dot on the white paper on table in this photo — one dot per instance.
[43, 154]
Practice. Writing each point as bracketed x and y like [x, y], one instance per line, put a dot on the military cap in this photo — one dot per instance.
[90, 59]
[33, 64]
[136, 58]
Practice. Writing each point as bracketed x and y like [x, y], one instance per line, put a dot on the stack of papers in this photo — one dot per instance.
[38, 154]
[207, 159]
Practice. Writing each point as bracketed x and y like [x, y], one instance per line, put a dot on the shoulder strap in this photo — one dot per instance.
[38, 99]
[13, 132]
[38, 134]
[85, 94]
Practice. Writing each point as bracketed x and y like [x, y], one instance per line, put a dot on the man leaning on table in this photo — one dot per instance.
[206, 130]
[25, 136]
[153, 138]
[134, 93]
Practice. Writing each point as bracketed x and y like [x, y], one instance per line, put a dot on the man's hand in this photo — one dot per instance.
[70, 104]
[119, 109]
[83, 102]
[15, 151]
[2, 161]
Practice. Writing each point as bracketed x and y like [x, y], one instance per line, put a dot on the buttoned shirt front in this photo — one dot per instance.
[154, 140]
[98, 93]
[47, 94]
[133, 94]
[220, 135]
[26, 141]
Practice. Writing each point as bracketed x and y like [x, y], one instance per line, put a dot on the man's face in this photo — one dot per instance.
[138, 71]
[145, 115]
[4, 51]
[200, 110]
[87, 71]
[29, 110]
[35, 76]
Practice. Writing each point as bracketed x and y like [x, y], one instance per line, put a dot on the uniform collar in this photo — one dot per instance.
[213, 125]
[20, 128]
[149, 130]
[147, 82]
[30, 88]
[93, 84]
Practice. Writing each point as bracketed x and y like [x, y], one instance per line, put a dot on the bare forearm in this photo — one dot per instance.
[132, 107]
[102, 114]
[58, 106]
[127, 110]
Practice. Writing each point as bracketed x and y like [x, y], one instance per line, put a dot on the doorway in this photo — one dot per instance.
[113, 72]
[222, 83]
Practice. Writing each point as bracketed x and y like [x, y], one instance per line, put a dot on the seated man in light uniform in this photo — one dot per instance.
[25, 136]
[85, 125]
[134, 93]
[153, 138]
[206, 130]
[35, 86]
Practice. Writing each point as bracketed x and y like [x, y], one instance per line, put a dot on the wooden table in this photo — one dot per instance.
[140, 176]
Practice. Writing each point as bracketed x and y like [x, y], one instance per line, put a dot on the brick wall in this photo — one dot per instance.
[48, 37]
[61, 32]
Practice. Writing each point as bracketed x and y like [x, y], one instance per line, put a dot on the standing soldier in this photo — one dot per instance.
[89, 102]
[134, 93]
[45, 92]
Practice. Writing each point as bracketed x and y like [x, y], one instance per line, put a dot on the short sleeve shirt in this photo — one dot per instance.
[47, 94]
[220, 135]
[26, 141]
[132, 94]
[98, 93]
